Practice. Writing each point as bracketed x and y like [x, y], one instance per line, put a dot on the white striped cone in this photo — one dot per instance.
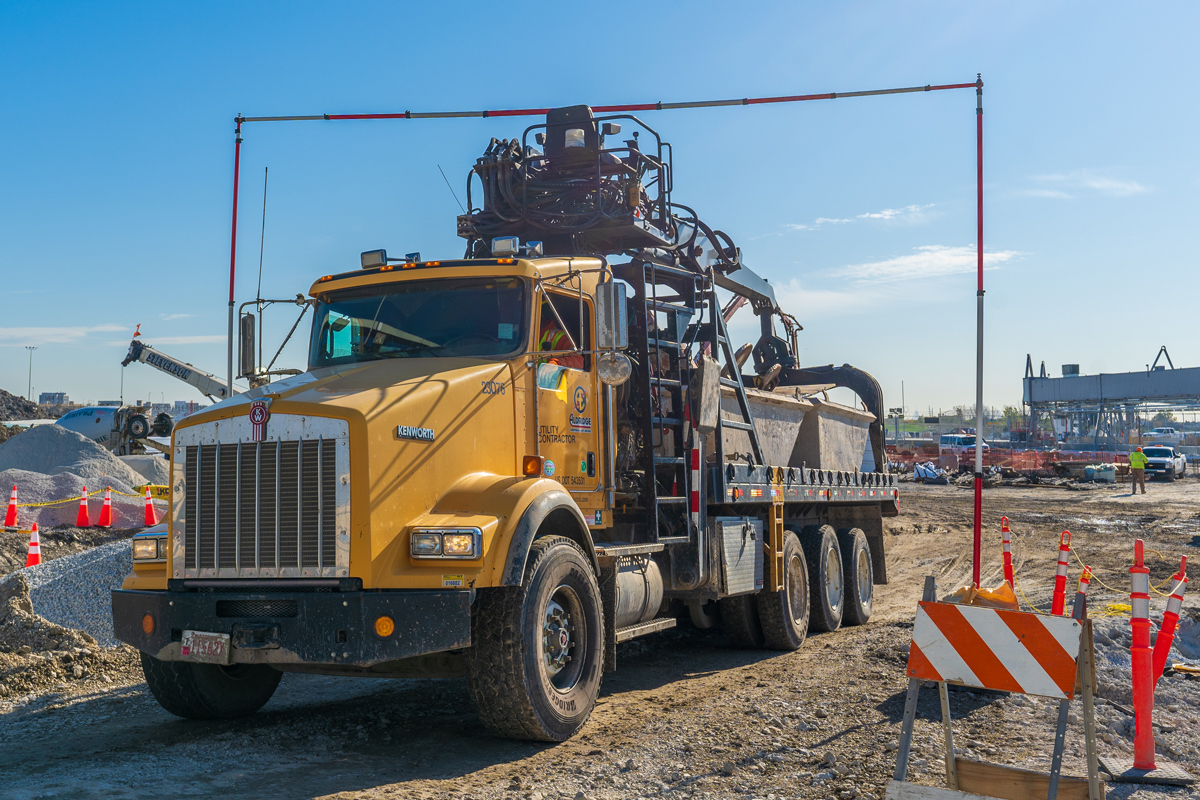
[1142, 660]
[1166, 631]
[106, 510]
[10, 516]
[1006, 540]
[1060, 578]
[35, 548]
[990, 648]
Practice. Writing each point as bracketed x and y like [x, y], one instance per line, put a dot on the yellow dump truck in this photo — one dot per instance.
[504, 465]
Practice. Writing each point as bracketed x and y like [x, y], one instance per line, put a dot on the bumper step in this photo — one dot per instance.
[643, 628]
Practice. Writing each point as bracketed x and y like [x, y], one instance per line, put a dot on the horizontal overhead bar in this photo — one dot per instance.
[537, 112]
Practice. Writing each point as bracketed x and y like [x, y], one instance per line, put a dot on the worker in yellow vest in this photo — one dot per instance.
[1137, 470]
[555, 338]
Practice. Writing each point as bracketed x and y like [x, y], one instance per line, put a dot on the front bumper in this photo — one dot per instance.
[313, 627]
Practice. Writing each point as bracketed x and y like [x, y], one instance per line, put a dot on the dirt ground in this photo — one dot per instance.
[684, 716]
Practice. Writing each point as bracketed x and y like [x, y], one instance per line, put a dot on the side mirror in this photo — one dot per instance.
[612, 321]
[246, 360]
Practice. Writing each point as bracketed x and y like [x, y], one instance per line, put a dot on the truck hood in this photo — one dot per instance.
[362, 387]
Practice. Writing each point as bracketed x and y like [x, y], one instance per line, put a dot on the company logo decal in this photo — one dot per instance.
[259, 414]
[548, 469]
[415, 433]
[581, 424]
[580, 399]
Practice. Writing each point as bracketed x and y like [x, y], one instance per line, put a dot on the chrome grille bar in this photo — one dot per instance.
[278, 508]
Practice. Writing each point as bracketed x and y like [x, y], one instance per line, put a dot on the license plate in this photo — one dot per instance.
[209, 648]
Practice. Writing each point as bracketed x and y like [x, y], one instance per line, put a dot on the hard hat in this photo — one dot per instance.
[1139, 448]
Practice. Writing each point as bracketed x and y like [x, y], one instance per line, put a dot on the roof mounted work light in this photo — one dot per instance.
[374, 258]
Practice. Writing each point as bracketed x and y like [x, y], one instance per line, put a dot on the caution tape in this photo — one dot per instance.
[156, 493]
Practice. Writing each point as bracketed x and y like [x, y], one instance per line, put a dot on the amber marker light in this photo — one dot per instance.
[532, 465]
[148, 624]
[385, 626]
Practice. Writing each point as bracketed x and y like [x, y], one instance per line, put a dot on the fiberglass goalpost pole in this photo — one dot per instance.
[978, 544]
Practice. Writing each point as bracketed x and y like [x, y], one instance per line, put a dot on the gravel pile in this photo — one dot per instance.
[52, 449]
[13, 407]
[153, 468]
[73, 591]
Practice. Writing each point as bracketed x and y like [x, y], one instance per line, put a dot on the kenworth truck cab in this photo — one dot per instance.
[503, 466]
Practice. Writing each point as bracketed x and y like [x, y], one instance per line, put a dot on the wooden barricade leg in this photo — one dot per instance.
[951, 769]
[1087, 671]
[1060, 742]
[910, 701]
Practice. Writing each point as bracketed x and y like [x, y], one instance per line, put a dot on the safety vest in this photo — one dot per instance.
[1138, 460]
[550, 339]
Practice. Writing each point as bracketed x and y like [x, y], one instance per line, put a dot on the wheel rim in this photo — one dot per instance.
[563, 630]
[833, 578]
[864, 578]
[796, 590]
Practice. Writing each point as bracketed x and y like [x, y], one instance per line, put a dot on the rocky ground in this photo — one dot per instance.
[685, 715]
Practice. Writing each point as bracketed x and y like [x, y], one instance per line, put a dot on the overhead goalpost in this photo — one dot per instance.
[977, 85]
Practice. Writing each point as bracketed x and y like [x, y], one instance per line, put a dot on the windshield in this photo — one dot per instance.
[1156, 452]
[453, 317]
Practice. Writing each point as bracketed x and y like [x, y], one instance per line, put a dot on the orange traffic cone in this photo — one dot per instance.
[151, 517]
[10, 518]
[35, 549]
[82, 520]
[106, 517]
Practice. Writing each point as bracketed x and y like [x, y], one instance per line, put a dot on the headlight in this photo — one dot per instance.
[447, 543]
[427, 544]
[460, 545]
[146, 548]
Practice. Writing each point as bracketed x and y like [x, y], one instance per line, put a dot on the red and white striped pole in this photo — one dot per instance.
[1166, 631]
[1006, 539]
[694, 484]
[1057, 608]
[1142, 660]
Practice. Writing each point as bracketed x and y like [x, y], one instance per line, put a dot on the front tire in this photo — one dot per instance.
[785, 614]
[859, 576]
[825, 577]
[537, 654]
[209, 691]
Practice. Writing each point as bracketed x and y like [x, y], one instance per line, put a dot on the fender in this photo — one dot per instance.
[511, 511]
[553, 501]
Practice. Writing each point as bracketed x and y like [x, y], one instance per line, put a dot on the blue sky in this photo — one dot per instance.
[117, 142]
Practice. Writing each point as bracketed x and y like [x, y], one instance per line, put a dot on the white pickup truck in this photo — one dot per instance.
[1164, 462]
[1163, 435]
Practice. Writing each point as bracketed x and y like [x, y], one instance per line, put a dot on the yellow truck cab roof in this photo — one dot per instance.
[547, 268]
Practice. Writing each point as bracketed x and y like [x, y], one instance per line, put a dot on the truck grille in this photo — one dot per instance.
[276, 508]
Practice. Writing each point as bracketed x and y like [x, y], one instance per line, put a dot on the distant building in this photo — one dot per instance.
[108, 403]
[182, 408]
[53, 398]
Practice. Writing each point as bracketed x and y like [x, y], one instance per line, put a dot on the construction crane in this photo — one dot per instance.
[205, 382]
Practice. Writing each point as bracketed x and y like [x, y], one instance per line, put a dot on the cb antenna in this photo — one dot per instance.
[451, 188]
[261, 243]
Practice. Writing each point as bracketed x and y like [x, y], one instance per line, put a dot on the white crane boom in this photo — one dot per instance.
[207, 383]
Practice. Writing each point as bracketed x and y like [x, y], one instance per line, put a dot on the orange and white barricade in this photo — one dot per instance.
[1008, 651]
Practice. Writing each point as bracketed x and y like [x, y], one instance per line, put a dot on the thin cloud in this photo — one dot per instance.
[929, 261]
[1089, 180]
[909, 215]
[21, 337]
[174, 316]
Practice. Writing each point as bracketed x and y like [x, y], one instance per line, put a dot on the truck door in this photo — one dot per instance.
[568, 398]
